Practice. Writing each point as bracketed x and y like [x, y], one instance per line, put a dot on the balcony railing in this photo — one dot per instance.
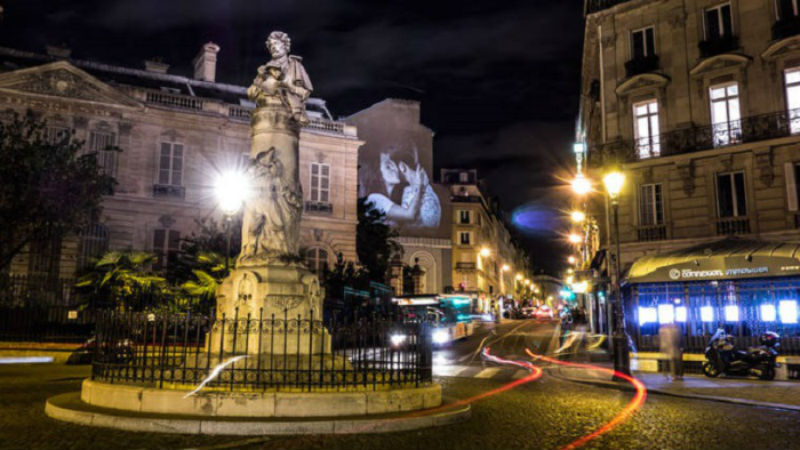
[649, 233]
[168, 190]
[592, 6]
[733, 225]
[175, 101]
[465, 266]
[698, 138]
[718, 45]
[638, 66]
[319, 207]
[786, 28]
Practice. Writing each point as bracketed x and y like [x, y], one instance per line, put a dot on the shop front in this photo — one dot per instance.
[746, 287]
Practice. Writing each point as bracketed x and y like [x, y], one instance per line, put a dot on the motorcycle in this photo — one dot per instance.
[722, 356]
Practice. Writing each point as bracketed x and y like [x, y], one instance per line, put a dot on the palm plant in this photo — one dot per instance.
[122, 280]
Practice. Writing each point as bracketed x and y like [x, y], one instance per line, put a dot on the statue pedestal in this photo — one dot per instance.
[272, 308]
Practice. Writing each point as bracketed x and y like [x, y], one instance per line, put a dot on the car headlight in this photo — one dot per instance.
[397, 339]
[440, 336]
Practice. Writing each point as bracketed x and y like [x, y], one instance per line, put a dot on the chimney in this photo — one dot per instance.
[205, 63]
[59, 51]
[156, 65]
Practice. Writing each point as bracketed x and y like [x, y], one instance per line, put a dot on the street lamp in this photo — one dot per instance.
[613, 182]
[577, 216]
[574, 238]
[485, 252]
[571, 259]
[232, 188]
[581, 185]
[505, 268]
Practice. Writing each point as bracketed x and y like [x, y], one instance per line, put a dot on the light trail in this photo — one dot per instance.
[214, 374]
[636, 402]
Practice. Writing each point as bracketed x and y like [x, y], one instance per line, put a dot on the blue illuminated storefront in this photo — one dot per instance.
[747, 287]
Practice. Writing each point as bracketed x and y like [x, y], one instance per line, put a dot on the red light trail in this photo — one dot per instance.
[635, 403]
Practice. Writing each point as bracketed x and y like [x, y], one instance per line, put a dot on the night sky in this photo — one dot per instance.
[498, 81]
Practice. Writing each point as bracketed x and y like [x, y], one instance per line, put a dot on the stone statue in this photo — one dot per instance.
[284, 76]
[272, 219]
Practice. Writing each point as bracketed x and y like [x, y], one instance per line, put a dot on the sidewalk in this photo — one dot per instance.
[745, 391]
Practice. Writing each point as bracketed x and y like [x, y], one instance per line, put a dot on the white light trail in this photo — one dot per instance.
[214, 373]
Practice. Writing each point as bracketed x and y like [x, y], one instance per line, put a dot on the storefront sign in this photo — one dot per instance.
[677, 274]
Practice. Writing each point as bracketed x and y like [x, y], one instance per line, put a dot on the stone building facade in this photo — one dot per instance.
[486, 259]
[699, 103]
[176, 135]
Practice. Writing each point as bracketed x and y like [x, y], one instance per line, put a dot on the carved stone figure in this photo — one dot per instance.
[284, 77]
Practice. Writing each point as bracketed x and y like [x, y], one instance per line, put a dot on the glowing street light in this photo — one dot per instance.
[577, 216]
[527, 282]
[571, 259]
[581, 185]
[574, 238]
[519, 277]
[505, 268]
[485, 252]
[232, 189]
[613, 182]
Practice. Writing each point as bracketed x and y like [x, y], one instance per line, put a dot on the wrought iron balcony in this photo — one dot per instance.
[697, 138]
[718, 45]
[642, 65]
[169, 190]
[733, 225]
[786, 28]
[319, 207]
[649, 233]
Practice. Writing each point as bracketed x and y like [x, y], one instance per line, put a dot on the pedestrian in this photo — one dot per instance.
[669, 339]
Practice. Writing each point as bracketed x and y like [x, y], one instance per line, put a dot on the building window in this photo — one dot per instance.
[320, 182]
[465, 237]
[463, 177]
[463, 216]
[719, 22]
[317, 260]
[645, 129]
[93, 244]
[725, 114]
[651, 205]
[792, 80]
[731, 195]
[170, 164]
[103, 144]
[166, 245]
[643, 43]
[786, 9]
[54, 134]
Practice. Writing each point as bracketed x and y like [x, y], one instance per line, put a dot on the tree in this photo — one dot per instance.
[123, 280]
[48, 187]
[375, 244]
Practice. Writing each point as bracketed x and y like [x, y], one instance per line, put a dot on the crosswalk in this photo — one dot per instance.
[478, 371]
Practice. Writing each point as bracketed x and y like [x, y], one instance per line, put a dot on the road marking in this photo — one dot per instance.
[487, 373]
[520, 374]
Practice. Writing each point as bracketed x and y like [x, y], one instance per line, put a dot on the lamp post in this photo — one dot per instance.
[231, 189]
[613, 182]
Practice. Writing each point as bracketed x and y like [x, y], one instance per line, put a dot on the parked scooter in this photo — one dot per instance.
[722, 356]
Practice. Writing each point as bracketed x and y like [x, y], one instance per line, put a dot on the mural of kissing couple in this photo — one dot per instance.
[398, 186]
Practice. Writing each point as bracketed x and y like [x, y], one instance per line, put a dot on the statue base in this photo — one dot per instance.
[271, 308]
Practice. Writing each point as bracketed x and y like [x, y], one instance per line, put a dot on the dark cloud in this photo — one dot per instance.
[498, 81]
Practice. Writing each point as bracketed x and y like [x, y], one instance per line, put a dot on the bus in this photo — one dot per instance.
[450, 314]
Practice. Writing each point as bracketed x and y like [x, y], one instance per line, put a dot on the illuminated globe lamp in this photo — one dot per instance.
[571, 259]
[574, 238]
[577, 216]
[485, 252]
[519, 277]
[232, 189]
[581, 185]
[505, 268]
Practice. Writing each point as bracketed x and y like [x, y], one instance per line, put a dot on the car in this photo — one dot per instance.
[543, 312]
[528, 312]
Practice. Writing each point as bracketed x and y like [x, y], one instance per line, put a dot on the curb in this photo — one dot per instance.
[68, 408]
[710, 398]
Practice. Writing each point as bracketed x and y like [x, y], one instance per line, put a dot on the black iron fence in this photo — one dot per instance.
[258, 352]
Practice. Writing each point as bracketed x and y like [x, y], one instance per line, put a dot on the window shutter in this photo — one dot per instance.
[791, 186]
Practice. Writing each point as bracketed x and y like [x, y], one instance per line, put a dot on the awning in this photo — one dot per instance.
[721, 260]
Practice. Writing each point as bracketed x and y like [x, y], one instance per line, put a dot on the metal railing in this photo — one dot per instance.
[786, 28]
[318, 207]
[275, 353]
[718, 45]
[641, 65]
[733, 225]
[697, 138]
[175, 101]
[465, 266]
[651, 233]
[169, 190]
